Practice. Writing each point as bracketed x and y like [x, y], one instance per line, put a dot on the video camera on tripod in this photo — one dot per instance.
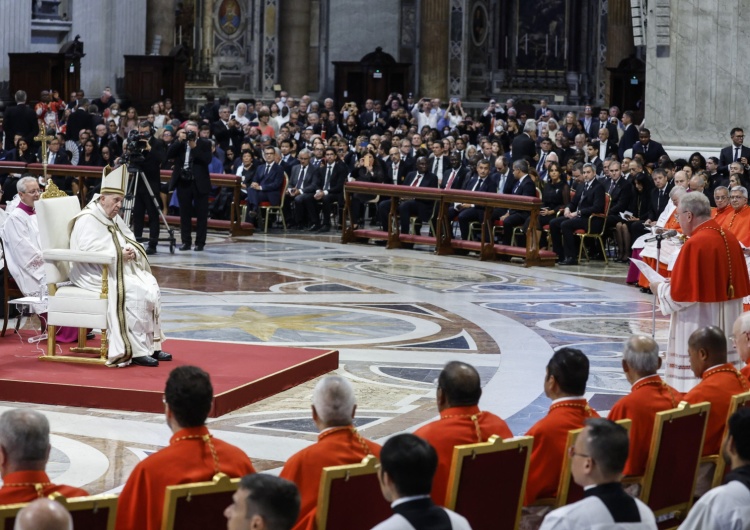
[134, 148]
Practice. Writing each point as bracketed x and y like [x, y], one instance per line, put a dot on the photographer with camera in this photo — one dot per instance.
[146, 153]
[192, 183]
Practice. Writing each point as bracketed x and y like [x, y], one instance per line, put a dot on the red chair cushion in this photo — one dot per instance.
[580, 231]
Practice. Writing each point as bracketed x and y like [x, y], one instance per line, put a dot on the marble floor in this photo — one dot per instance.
[396, 317]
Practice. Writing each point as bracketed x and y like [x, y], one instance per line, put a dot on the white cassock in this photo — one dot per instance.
[133, 291]
[725, 507]
[23, 255]
[3, 218]
[650, 247]
[592, 514]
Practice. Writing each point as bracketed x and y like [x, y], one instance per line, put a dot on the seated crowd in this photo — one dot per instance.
[415, 468]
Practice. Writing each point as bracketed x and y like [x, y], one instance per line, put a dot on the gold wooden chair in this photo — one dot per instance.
[491, 473]
[198, 505]
[568, 491]
[11, 290]
[340, 499]
[278, 209]
[70, 305]
[738, 401]
[672, 468]
[96, 512]
[589, 233]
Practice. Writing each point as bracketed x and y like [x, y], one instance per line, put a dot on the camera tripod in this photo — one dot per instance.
[129, 202]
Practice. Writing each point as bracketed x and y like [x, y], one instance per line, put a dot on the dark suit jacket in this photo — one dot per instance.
[77, 121]
[401, 172]
[629, 138]
[311, 183]
[526, 189]
[621, 195]
[611, 149]
[488, 185]
[458, 182]
[338, 177]
[222, 135]
[271, 181]
[593, 131]
[61, 158]
[523, 146]
[510, 182]
[725, 158]
[592, 202]
[20, 119]
[429, 180]
[200, 157]
[652, 155]
[657, 205]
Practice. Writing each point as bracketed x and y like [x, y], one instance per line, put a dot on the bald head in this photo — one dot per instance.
[707, 347]
[43, 514]
[459, 386]
[333, 402]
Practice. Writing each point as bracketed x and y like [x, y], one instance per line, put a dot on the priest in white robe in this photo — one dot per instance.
[134, 329]
[23, 253]
[708, 283]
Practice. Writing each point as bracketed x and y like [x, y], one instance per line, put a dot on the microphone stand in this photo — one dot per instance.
[656, 294]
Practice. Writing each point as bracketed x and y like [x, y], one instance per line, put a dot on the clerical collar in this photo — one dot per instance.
[26, 208]
[402, 500]
[644, 378]
[559, 400]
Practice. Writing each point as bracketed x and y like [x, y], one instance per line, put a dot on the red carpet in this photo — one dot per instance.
[241, 374]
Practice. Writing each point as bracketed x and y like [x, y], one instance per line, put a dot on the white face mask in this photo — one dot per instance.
[114, 112]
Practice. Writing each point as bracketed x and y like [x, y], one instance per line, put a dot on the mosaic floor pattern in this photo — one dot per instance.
[395, 315]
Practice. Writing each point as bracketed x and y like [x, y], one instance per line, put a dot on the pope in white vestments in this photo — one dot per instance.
[134, 299]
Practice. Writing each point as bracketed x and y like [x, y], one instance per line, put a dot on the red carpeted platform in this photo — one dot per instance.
[241, 374]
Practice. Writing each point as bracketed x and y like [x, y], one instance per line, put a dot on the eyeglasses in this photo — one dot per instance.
[33, 192]
[736, 197]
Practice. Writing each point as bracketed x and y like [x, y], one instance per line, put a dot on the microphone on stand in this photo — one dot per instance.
[663, 235]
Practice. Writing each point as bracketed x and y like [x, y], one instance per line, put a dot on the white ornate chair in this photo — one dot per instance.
[69, 305]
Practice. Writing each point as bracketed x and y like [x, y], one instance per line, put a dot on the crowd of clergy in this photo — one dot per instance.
[414, 468]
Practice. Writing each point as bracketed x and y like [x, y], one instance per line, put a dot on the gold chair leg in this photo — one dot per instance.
[604, 252]
[104, 346]
[51, 341]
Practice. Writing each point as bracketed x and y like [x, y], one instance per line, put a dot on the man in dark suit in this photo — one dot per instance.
[331, 178]
[468, 213]
[603, 122]
[154, 153]
[649, 149]
[503, 176]
[733, 153]
[192, 182]
[630, 136]
[592, 154]
[396, 169]
[266, 184]
[437, 162]
[57, 156]
[302, 183]
[523, 145]
[78, 121]
[715, 179]
[20, 119]
[589, 122]
[588, 200]
[523, 186]
[421, 208]
[227, 131]
[288, 160]
[544, 110]
[455, 176]
[605, 146]
[621, 194]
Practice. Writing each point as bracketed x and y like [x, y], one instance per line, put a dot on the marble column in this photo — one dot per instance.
[293, 44]
[433, 45]
[207, 40]
[160, 21]
[15, 37]
[697, 85]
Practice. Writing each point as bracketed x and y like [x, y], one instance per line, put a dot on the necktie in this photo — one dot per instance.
[302, 178]
[611, 187]
[328, 177]
[476, 184]
[602, 125]
[501, 183]
[450, 180]
[645, 148]
[435, 167]
[416, 181]
[515, 188]
[540, 165]
[736, 154]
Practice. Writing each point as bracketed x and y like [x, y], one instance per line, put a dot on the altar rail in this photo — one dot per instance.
[442, 240]
[234, 225]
